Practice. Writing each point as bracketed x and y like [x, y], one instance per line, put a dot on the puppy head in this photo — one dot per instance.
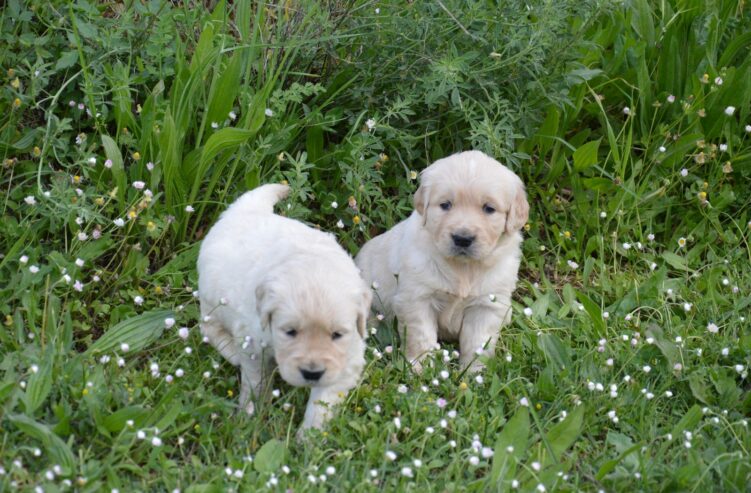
[468, 201]
[317, 317]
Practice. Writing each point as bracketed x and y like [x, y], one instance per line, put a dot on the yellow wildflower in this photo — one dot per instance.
[230, 393]
[356, 220]
[136, 156]
[463, 386]
[158, 290]
[37, 151]
[567, 235]
[150, 226]
[16, 103]
[15, 83]
[99, 201]
[11, 72]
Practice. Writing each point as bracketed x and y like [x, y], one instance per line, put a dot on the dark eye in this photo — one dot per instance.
[488, 209]
[336, 335]
[446, 205]
[291, 332]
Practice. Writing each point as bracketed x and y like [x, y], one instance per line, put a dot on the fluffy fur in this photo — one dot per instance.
[275, 290]
[448, 270]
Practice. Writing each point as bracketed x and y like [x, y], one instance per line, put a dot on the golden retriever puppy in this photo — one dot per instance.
[449, 269]
[274, 290]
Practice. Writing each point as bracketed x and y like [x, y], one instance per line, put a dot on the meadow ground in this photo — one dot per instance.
[125, 129]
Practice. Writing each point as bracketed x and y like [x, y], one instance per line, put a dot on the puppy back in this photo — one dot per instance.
[261, 199]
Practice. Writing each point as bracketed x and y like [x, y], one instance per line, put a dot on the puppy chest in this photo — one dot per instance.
[450, 312]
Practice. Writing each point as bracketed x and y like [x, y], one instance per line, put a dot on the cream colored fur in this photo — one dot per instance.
[273, 290]
[436, 289]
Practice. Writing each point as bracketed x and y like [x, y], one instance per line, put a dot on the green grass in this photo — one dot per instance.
[126, 129]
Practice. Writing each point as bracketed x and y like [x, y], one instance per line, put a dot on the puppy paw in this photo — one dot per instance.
[474, 365]
[250, 408]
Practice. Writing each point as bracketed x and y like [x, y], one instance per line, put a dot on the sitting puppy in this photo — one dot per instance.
[449, 269]
[272, 288]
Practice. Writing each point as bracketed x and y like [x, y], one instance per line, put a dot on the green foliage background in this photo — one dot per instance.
[628, 121]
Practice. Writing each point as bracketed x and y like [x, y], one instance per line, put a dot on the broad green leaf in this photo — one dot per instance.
[28, 139]
[545, 136]
[138, 332]
[57, 449]
[608, 466]
[564, 434]
[226, 89]
[112, 152]
[117, 420]
[735, 46]
[586, 155]
[594, 312]
[688, 421]
[598, 184]
[224, 139]
[510, 445]
[675, 260]
[270, 456]
[66, 60]
[555, 350]
[39, 384]
[668, 349]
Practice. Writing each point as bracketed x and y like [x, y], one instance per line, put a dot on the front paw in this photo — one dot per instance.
[250, 408]
[473, 366]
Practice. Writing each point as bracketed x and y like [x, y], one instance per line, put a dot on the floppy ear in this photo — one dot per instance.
[363, 313]
[420, 200]
[265, 304]
[519, 211]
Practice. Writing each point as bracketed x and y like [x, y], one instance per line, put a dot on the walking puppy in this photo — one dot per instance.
[273, 289]
[449, 269]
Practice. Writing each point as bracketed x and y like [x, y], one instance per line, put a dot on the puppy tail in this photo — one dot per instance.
[263, 198]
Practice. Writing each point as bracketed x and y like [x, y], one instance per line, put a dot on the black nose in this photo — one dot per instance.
[463, 241]
[312, 375]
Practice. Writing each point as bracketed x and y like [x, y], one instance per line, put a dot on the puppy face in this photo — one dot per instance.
[315, 331]
[468, 201]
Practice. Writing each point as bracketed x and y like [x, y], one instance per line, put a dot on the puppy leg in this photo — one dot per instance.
[223, 340]
[320, 405]
[480, 329]
[323, 399]
[418, 325]
[251, 382]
